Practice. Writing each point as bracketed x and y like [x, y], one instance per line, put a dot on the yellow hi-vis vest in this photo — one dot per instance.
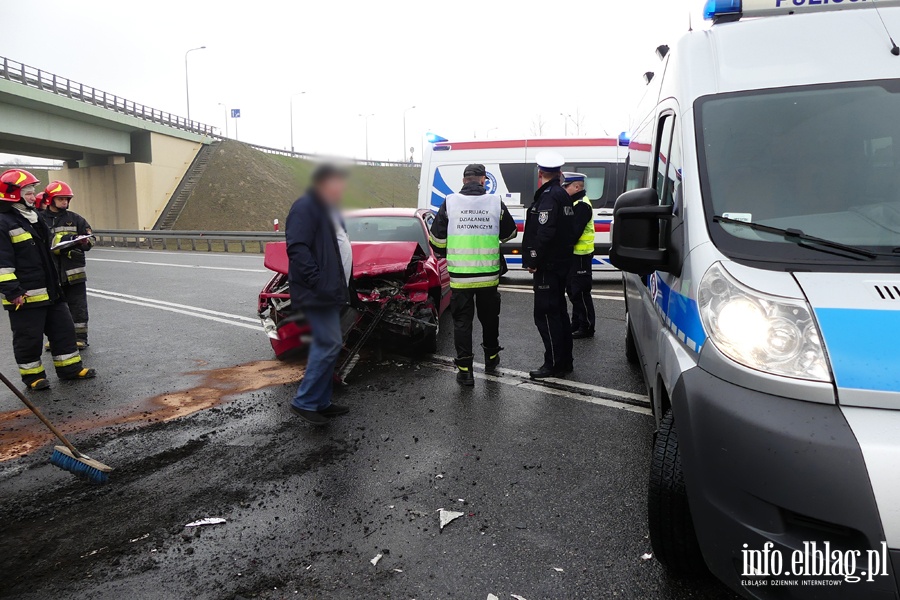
[585, 244]
[473, 240]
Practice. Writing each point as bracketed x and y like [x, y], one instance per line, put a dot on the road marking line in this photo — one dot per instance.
[193, 312]
[620, 394]
[524, 290]
[174, 305]
[534, 387]
[157, 264]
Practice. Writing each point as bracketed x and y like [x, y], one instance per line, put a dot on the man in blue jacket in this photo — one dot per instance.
[320, 263]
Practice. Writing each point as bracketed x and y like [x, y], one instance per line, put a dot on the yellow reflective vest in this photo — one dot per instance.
[585, 243]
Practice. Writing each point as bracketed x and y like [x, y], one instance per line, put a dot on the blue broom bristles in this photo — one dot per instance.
[76, 467]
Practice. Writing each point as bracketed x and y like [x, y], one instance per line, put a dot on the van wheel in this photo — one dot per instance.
[631, 353]
[669, 516]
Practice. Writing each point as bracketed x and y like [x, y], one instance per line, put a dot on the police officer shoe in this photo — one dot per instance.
[561, 370]
[582, 334]
[39, 384]
[334, 410]
[464, 371]
[543, 373]
[82, 374]
[492, 359]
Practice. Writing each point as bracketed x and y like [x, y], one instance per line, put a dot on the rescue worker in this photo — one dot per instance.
[70, 262]
[578, 286]
[547, 245]
[39, 202]
[30, 288]
[468, 230]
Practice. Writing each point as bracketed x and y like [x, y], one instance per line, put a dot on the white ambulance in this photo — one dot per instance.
[762, 281]
[512, 173]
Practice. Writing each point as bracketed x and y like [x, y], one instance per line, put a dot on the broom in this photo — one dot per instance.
[65, 457]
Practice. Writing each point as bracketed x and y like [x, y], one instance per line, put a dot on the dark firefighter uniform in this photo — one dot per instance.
[547, 250]
[468, 230]
[27, 269]
[580, 276]
[70, 262]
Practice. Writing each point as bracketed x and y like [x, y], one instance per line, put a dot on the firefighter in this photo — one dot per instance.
[39, 202]
[70, 262]
[578, 286]
[547, 246]
[30, 288]
[468, 230]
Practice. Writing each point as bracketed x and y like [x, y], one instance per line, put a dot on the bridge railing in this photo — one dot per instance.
[61, 86]
[318, 157]
[219, 241]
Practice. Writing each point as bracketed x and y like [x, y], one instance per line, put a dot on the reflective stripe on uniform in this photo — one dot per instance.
[19, 235]
[38, 295]
[68, 229]
[437, 242]
[474, 282]
[585, 243]
[463, 266]
[33, 368]
[64, 360]
[81, 327]
[75, 274]
[7, 274]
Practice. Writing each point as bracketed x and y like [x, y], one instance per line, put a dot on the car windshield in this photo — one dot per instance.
[821, 160]
[387, 229]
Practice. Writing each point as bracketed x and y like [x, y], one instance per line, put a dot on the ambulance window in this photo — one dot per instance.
[595, 184]
[663, 157]
[635, 178]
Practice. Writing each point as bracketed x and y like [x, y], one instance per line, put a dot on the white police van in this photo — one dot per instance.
[512, 173]
[762, 260]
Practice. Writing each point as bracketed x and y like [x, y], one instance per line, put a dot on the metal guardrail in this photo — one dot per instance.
[318, 157]
[225, 241]
[61, 86]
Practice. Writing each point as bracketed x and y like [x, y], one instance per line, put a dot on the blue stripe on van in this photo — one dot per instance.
[862, 345]
[681, 313]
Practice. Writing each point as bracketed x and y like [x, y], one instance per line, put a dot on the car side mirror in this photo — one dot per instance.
[637, 244]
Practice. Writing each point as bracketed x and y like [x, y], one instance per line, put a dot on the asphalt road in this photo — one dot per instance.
[191, 410]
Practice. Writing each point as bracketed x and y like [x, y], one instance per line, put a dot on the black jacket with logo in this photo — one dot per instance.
[26, 264]
[65, 225]
[548, 242]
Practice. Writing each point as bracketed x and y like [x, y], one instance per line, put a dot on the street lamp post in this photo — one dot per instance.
[187, 82]
[366, 117]
[403, 156]
[566, 122]
[226, 118]
[292, 118]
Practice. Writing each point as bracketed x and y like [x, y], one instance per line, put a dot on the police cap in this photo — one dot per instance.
[549, 162]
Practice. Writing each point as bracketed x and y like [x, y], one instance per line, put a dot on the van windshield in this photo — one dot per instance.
[824, 160]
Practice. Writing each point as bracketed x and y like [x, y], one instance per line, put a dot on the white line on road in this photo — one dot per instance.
[174, 305]
[528, 290]
[191, 312]
[158, 264]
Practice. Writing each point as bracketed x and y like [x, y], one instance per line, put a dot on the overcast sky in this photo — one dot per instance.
[482, 68]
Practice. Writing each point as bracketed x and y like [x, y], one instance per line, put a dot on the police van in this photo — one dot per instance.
[512, 173]
[762, 278]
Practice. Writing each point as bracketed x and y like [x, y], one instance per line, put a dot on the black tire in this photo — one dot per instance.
[429, 344]
[631, 352]
[672, 532]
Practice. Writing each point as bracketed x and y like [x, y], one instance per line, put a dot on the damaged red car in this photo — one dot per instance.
[400, 287]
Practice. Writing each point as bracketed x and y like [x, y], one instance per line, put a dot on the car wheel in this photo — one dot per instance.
[428, 345]
[672, 533]
[631, 352]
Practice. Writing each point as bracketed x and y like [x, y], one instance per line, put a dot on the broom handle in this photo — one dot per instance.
[40, 415]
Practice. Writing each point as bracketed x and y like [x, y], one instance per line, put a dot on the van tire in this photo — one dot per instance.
[672, 534]
[631, 352]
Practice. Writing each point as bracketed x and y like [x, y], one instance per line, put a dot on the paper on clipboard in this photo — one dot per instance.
[72, 242]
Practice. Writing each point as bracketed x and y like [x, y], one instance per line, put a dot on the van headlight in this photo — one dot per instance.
[769, 333]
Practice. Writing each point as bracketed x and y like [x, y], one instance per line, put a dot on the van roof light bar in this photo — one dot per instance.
[720, 11]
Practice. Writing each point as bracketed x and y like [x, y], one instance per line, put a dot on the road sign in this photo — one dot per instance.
[235, 113]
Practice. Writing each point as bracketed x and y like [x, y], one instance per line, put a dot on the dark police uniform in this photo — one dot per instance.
[65, 225]
[547, 247]
[581, 276]
[27, 267]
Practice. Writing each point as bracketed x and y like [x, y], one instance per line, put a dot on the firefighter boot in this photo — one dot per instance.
[464, 371]
[491, 358]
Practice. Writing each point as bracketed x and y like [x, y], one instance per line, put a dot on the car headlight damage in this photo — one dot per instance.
[769, 333]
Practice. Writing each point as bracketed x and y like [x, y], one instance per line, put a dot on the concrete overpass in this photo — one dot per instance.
[123, 159]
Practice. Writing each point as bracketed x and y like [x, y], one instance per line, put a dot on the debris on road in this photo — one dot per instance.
[398, 570]
[517, 597]
[375, 560]
[492, 597]
[447, 516]
[206, 521]
[558, 570]
[137, 539]
[646, 556]
[439, 476]
[93, 552]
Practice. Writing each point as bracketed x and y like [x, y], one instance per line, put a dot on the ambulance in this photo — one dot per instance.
[512, 173]
[761, 260]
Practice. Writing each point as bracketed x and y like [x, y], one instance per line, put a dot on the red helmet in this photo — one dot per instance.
[12, 182]
[39, 201]
[57, 188]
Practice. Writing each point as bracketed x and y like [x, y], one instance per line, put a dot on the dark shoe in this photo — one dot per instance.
[562, 370]
[492, 359]
[82, 374]
[542, 373]
[465, 375]
[334, 410]
[311, 416]
[39, 384]
[582, 334]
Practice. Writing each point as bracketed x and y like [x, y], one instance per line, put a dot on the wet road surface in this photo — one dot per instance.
[191, 410]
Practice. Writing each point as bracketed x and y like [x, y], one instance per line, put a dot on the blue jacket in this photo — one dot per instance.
[316, 272]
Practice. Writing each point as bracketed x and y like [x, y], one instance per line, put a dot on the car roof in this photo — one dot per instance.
[384, 212]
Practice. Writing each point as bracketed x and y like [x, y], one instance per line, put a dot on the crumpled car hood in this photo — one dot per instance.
[373, 259]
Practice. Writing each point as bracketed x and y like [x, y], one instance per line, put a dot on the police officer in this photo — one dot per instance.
[547, 253]
[65, 225]
[578, 286]
[29, 286]
[468, 229]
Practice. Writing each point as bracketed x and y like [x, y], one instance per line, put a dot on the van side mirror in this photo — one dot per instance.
[637, 246]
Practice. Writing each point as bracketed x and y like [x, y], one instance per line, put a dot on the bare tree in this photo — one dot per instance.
[537, 126]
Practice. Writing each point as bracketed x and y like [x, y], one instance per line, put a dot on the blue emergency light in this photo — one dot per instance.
[434, 138]
[719, 8]
[624, 140]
